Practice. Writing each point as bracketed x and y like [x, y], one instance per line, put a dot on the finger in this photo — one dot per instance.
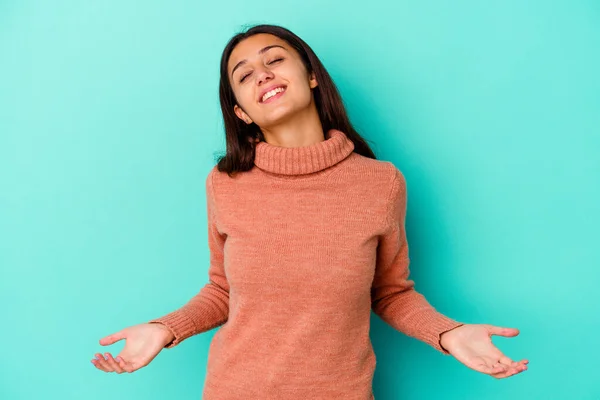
[506, 361]
[513, 369]
[510, 368]
[125, 366]
[504, 367]
[488, 366]
[114, 365]
[502, 374]
[493, 369]
[101, 363]
[502, 331]
[110, 339]
[106, 364]
[518, 365]
[522, 365]
[97, 365]
[510, 372]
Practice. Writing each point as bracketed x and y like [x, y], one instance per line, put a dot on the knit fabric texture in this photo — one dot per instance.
[302, 248]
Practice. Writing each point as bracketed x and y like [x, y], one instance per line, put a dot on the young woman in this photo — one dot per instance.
[306, 236]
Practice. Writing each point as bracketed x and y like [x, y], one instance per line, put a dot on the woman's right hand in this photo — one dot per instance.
[143, 342]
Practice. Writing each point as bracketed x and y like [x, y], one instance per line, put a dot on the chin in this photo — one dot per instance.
[277, 116]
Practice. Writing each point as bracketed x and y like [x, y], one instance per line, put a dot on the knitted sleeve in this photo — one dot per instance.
[393, 296]
[209, 308]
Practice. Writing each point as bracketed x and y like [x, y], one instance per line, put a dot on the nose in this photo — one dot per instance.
[263, 75]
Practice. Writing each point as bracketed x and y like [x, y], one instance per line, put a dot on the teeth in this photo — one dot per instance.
[272, 93]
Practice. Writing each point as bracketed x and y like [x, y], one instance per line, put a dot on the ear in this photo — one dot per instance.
[241, 114]
[313, 81]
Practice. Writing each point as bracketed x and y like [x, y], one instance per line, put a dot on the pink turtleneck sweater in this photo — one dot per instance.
[302, 248]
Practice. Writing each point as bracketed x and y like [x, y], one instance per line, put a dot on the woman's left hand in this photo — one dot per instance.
[471, 344]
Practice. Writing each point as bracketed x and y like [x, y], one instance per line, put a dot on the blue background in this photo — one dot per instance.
[110, 121]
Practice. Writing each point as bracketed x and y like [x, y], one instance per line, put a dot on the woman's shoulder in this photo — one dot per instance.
[379, 170]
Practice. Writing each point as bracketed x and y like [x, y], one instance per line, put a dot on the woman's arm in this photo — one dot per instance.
[209, 308]
[393, 296]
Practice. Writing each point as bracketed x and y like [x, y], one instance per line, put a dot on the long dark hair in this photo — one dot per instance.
[240, 137]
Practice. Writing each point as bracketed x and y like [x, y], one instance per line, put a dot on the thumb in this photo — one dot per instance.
[503, 331]
[110, 339]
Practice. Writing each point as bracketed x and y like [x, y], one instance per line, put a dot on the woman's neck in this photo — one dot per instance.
[302, 129]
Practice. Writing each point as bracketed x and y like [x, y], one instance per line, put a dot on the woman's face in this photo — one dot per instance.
[258, 65]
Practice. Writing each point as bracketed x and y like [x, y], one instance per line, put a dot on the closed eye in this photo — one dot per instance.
[270, 62]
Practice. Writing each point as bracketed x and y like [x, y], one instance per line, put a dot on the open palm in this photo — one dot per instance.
[143, 342]
[471, 344]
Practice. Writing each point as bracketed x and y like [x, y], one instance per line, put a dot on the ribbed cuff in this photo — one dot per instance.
[425, 324]
[433, 324]
[179, 324]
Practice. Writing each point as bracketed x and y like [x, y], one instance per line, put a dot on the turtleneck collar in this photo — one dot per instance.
[305, 159]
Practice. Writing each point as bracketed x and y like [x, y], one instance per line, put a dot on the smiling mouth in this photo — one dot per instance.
[279, 92]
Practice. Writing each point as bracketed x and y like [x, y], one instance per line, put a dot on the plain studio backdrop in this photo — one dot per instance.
[110, 121]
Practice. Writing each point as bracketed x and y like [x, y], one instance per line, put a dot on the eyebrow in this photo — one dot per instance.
[261, 51]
